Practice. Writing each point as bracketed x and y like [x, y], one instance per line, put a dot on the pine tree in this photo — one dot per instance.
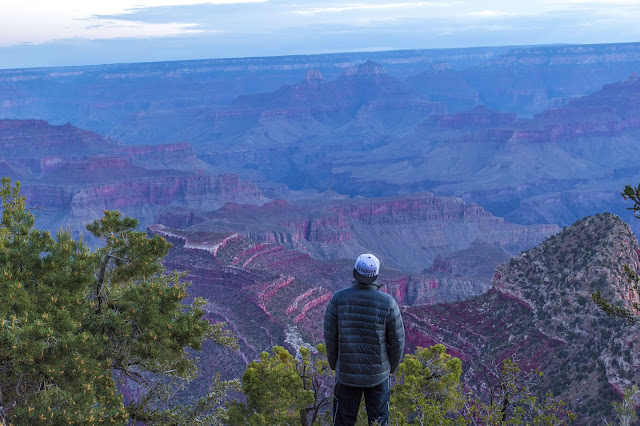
[510, 400]
[275, 392]
[318, 378]
[427, 387]
[633, 194]
[73, 322]
[51, 368]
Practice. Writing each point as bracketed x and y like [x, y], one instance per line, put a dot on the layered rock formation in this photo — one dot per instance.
[539, 312]
[362, 128]
[269, 294]
[407, 232]
[529, 80]
[444, 84]
[73, 175]
[262, 291]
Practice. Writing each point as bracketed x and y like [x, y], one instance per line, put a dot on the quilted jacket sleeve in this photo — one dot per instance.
[331, 333]
[395, 336]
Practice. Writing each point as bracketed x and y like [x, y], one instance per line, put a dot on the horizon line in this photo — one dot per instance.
[328, 53]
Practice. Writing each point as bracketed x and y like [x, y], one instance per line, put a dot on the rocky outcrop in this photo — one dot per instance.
[591, 255]
[540, 313]
[38, 139]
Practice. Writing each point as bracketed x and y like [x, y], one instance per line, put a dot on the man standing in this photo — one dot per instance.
[364, 335]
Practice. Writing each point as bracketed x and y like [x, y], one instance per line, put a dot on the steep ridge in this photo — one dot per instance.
[406, 232]
[38, 139]
[539, 312]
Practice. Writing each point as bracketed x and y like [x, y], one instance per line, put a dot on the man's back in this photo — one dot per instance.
[364, 335]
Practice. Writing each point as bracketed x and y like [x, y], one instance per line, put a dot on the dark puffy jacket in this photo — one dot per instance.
[364, 335]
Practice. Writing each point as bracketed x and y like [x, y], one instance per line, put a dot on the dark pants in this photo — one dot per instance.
[346, 402]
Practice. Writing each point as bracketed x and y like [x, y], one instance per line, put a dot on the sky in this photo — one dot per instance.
[36, 33]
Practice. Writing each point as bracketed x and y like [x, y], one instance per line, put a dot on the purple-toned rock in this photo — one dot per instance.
[407, 232]
[539, 313]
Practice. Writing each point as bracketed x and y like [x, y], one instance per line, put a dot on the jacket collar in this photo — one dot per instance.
[374, 286]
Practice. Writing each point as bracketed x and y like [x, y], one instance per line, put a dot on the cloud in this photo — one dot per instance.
[372, 6]
[42, 21]
[123, 29]
[491, 14]
[592, 2]
[178, 29]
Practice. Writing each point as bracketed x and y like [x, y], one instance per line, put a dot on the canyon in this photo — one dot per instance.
[533, 134]
[537, 310]
[467, 171]
[71, 176]
[407, 232]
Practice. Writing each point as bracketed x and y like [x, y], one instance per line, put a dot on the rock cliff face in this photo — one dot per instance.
[529, 80]
[460, 275]
[539, 311]
[261, 290]
[146, 197]
[406, 232]
[74, 174]
[38, 139]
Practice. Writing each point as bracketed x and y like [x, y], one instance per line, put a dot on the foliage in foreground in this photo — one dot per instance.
[76, 324]
[626, 409]
[511, 401]
[281, 389]
[427, 388]
[427, 391]
[633, 194]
